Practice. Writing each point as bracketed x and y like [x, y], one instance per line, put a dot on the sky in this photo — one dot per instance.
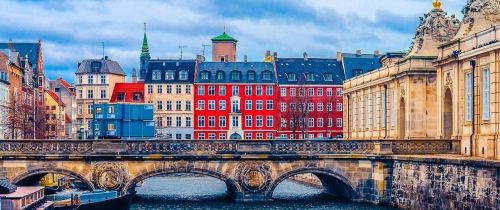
[74, 30]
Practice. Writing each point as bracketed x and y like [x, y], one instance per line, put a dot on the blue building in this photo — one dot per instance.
[124, 121]
[355, 64]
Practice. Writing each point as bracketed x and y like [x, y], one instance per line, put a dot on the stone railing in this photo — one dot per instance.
[26, 148]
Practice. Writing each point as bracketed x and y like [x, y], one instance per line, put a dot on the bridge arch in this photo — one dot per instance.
[42, 171]
[232, 186]
[333, 182]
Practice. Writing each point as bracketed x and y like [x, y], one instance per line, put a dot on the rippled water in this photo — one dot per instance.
[201, 192]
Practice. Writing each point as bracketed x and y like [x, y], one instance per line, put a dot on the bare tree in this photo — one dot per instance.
[297, 111]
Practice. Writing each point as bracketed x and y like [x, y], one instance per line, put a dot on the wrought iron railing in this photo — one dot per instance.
[220, 147]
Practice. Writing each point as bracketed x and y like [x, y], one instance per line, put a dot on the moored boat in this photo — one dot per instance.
[97, 200]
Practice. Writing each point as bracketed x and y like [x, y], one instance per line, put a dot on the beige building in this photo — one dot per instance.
[398, 100]
[468, 70]
[95, 80]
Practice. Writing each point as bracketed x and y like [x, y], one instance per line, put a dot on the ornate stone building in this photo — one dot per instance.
[467, 82]
[398, 100]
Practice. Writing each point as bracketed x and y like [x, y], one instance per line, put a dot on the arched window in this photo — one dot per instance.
[251, 75]
[291, 76]
[266, 75]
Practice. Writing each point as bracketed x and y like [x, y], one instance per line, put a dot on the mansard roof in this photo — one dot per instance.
[170, 65]
[107, 67]
[363, 63]
[227, 68]
[321, 69]
[128, 90]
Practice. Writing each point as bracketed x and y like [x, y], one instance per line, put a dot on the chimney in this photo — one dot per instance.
[134, 76]
[358, 52]
[245, 58]
[106, 57]
[339, 56]
[275, 55]
[305, 56]
[376, 52]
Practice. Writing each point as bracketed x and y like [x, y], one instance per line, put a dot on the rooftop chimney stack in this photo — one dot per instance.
[275, 55]
[305, 56]
[245, 58]
[358, 52]
[134, 76]
[339, 56]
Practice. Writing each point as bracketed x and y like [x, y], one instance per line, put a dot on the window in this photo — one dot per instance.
[220, 75]
[235, 75]
[183, 75]
[282, 91]
[211, 90]
[235, 121]
[248, 105]
[188, 105]
[95, 66]
[248, 121]
[235, 90]
[269, 105]
[339, 107]
[159, 121]
[339, 122]
[357, 72]
[178, 136]
[222, 136]
[150, 89]
[375, 110]
[111, 127]
[80, 109]
[98, 110]
[293, 91]
[468, 97]
[258, 136]
[320, 122]
[259, 121]
[291, 76]
[339, 91]
[235, 106]
[486, 94]
[384, 110]
[211, 121]
[367, 112]
[159, 89]
[188, 121]
[251, 75]
[354, 114]
[248, 136]
[269, 121]
[311, 91]
[320, 107]
[283, 123]
[90, 110]
[201, 90]
[328, 77]
[80, 80]
[310, 76]
[211, 105]
[302, 92]
[266, 75]
[188, 89]
[329, 92]
[269, 136]
[103, 94]
[90, 93]
[178, 121]
[360, 110]
[169, 105]
[103, 79]
[201, 136]
[329, 107]
[201, 105]
[248, 90]
[169, 75]
[320, 91]
[80, 94]
[222, 121]
[222, 90]
[178, 105]
[269, 90]
[120, 96]
[156, 75]
[393, 108]
[258, 90]
[188, 136]
[311, 122]
[329, 122]
[137, 96]
[90, 79]
[310, 107]
[222, 105]
[258, 104]
[159, 105]
[205, 75]
[283, 107]
[178, 89]
[201, 121]
[169, 89]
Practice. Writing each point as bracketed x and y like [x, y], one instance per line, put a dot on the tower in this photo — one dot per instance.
[224, 48]
[144, 56]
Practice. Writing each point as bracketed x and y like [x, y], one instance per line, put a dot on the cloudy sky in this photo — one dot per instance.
[73, 30]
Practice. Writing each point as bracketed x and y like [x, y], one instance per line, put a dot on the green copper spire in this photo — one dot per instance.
[145, 46]
[224, 37]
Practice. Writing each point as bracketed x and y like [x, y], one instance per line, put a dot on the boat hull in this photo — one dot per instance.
[119, 203]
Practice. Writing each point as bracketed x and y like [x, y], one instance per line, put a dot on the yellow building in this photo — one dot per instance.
[95, 80]
[398, 100]
[467, 82]
[55, 116]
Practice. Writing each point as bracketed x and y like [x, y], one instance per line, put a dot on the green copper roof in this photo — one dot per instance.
[224, 37]
[145, 46]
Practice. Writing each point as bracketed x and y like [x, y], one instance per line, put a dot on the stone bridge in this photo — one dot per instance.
[356, 170]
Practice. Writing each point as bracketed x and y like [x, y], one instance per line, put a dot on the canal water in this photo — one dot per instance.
[186, 191]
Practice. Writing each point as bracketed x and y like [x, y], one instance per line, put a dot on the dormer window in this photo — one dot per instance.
[328, 77]
[137, 96]
[205, 75]
[169, 75]
[251, 75]
[95, 66]
[291, 76]
[120, 96]
[235, 75]
[183, 75]
[309, 76]
[156, 75]
[266, 75]
[357, 72]
[220, 75]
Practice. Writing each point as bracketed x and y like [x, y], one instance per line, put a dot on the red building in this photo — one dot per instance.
[310, 98]
[235, 100]
[128, 92]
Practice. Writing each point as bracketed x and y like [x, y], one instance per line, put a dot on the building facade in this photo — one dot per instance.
[123, 121]
[398, 100]
[309, 98]
[55, 116]
[467, 76]
[95, 80]
[68, 96]
[4, 97]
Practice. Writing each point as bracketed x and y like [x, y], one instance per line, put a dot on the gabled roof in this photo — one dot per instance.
[128, 89]
[68, 119]
[224, 37]
[66, 85]
[30, 49]
[170, 65]
[54, 96]
[363, 62]
[317, 66]
[107, 67]
[227, 67]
